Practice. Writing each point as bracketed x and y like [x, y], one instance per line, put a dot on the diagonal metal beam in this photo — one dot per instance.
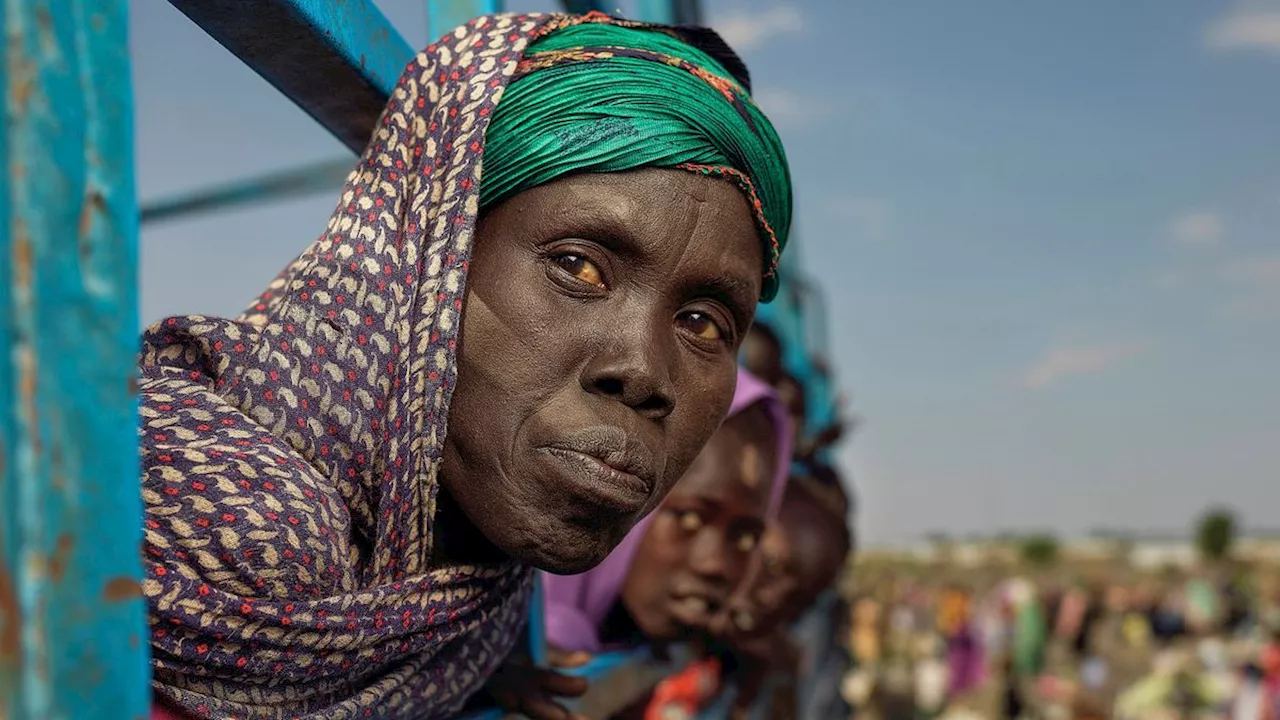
[337, 60]
[328, 175]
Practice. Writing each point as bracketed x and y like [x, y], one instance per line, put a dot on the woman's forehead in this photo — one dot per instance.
[702, 223]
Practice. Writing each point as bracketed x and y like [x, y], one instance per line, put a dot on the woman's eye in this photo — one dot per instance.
[581, 269]
[746, 543]
[690, 521]
[702, 325]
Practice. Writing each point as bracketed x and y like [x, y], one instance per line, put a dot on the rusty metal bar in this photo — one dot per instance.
[73, 642]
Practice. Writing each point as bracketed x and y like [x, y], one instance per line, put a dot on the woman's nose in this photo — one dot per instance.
[634, 368]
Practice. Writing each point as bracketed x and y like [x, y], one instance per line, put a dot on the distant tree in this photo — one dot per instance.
[1040, 549]
[1216, 533]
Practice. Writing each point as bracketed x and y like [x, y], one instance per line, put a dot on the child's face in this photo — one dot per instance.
[697, 547]
[764, 594]
[812, 558]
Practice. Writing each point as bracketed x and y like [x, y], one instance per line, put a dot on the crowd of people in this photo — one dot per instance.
[1116, 644]
[550, 370]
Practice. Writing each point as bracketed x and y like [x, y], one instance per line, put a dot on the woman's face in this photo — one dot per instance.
[697, 547]
[602, 318]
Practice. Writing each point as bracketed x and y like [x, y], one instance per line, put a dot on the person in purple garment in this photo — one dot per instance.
[674, 571]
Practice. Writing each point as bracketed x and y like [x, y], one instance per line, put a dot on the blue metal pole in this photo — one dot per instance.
[327, 175]
[73, 641]
[337, 60]
[445, 15]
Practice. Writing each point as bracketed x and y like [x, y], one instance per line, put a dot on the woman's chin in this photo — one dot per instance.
[567, 558]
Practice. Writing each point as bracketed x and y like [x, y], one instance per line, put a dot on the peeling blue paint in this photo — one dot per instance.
[72, 633]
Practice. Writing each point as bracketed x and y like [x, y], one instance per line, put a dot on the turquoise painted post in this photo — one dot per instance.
[73, 640]
[445, 15]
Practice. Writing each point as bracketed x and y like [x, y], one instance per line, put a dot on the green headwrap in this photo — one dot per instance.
[600, 97]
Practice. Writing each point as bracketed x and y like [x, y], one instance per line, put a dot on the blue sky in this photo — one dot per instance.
[1049, 235]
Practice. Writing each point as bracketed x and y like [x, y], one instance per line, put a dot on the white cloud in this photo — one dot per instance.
[1199, 230]
[746, 31]
[1250, 25]
[1063, 362]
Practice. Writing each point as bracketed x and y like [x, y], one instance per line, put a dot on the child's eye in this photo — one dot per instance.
[690, 521]
[746, 542]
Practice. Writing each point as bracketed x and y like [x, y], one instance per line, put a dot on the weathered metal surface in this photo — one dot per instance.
[445, 15]
[72, 635]
[328, 175]
[338, 61]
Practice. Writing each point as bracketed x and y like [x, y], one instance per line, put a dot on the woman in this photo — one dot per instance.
[317, 544]
[674, 571]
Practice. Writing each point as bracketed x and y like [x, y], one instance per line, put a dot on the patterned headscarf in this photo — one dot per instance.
[290, 458]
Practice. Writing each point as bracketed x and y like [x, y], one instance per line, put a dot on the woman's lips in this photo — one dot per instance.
[615, 448]
[608, 466]
[602, 483]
